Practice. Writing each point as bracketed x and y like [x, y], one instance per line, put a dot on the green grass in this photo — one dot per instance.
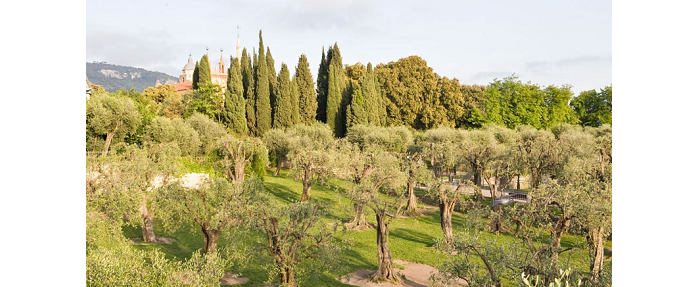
[411, 239]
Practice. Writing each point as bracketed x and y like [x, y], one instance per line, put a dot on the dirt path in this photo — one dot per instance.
[414, 275]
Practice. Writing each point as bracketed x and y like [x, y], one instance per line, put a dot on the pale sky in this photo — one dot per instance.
[545, 42]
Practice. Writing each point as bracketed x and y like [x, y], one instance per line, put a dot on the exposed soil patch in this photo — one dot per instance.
[230, 279]
[414, 275]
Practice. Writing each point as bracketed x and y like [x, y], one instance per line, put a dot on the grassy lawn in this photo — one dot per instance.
[411, 239]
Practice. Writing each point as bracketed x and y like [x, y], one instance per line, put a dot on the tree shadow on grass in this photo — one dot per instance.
[354, 260]
[414, 236]
[282, 192]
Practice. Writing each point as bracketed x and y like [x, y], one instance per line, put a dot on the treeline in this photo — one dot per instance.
[405, 92]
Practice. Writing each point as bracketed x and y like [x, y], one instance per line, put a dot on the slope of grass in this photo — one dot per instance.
[411, 239]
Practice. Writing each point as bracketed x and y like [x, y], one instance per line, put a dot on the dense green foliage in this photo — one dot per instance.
[307, 97]
[207, 100]
[202, 73]
[234, 108]
[336, 94]
[286, 104]
[262, 102]
[112, 116]
[273, 81]
[411, 92]
[357, 113]
[322, 76]
[511, 103]
[593, 108]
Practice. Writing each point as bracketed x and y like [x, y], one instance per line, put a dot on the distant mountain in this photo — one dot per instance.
[114, 77]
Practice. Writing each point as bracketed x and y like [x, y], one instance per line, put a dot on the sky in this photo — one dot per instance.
[545, 42]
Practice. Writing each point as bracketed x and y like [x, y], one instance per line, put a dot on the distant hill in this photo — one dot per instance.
[114, 77]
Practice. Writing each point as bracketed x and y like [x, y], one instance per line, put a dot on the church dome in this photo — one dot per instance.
[190, 65]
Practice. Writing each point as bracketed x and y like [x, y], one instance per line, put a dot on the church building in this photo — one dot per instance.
[219, 74]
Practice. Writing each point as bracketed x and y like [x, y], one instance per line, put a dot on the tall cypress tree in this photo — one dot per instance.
[234, 112]
[322, 85]
[283, 116]
[195, 77]
[262, 103]
[336, 94]
[357, 110]
[248, 87]
[204, 72]
[295, 112]
[273, 83]
[375, 108]
[307, 98]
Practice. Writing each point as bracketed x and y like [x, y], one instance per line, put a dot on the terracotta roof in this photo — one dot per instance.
[183, 88]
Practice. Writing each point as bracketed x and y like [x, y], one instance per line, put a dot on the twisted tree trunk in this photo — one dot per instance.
[596, 256]
[306, 185]
[385, 270]
[211, 237]
[359, 222]
[147, 227]
[560, 227]
[446, 214]
[411, 197]
[286, 276]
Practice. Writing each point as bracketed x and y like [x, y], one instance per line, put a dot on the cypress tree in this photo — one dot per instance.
[307, 98]
[204, 72]
[322, 85]
[273, 84]
[375, 108]
[262, 102]
[295, 112]
[248, 87]
[195, 77]
[283, 116]
[336, 94]
[357, 111]
[234, 112]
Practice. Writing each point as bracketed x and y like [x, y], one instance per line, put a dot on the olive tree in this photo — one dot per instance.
[177, 131]
[311, 155]
[441, 149]
[214, 205]
[539, 152]
[295, 234]
[381, 172]
[209, 131]
[237, 153]
[112, 116]
[111, 260]
[125, 184]
[279, 142]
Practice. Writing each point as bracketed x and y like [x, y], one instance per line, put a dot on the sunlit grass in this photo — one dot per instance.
[411, 239]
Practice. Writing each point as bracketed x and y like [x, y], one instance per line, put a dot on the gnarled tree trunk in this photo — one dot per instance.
[385, 270]
[446, 214]
[560, 227]
[210, 239]
[107, 143]
[359, 222]
[306, 190]
[286, 276]
[596, 256]
[279, 162]
[147, 227]
[411, 197]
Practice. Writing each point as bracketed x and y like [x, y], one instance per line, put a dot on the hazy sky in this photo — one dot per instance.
[545, 42]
